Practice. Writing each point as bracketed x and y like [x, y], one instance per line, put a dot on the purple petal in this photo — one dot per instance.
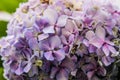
[71, 38]
[44, 45]
[33, 44]
[90, 75]
[53, 72]
[19, 70]
[49, 56]
[55, 42]
[92, 49]
[33, 71]
[28, 34]
[107, 60]
[86, 42]
[49, 29]
[62, 20]
[100, 32]
[101, 71]
[27, 67]
[42, 36]
[60, 54]
[62, 75]
[113, 50]
[68, 63]
[106, 50]
[51, 15]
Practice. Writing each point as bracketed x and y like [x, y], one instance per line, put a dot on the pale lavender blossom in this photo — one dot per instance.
[62, 40]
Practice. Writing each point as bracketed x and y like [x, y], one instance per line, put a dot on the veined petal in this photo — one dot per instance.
[106, 50]
[44, 45]
[107, 60]
[60, 54]
[62, 20]
[27, 67]
[49, 29]
[49, 56]
[113, 50]
[96, 42]
[100, 32]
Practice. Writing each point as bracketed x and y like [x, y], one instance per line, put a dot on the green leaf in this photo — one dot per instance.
[9, 5]
[3, 27]
[1, 74]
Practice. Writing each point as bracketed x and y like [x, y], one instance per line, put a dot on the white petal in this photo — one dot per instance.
[42, 36]
[89, 35]
[62, 20]
[49, 29]
[51, 15]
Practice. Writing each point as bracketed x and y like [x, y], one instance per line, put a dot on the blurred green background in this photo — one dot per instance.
[8, 6]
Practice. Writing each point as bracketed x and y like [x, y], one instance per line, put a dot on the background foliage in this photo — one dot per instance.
[10, 7]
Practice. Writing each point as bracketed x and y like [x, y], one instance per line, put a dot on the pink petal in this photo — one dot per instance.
[106, 50]
[90, 75]
[51, 15]
[55, 42]
[64, 40]
[49, 29]
[70, 26]
[66, 33]
[62, 20]
[96, 42]
[100, 32]
[49, 56]
[89, 35]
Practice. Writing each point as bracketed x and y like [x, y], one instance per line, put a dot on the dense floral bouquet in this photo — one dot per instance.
[62, 40]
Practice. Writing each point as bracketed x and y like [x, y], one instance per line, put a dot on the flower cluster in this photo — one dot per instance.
[61, 40]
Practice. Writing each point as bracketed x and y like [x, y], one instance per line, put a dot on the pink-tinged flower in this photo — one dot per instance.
[70, 29]
[99, 40]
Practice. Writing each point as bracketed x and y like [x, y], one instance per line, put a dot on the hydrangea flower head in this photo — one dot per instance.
[61, 40]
